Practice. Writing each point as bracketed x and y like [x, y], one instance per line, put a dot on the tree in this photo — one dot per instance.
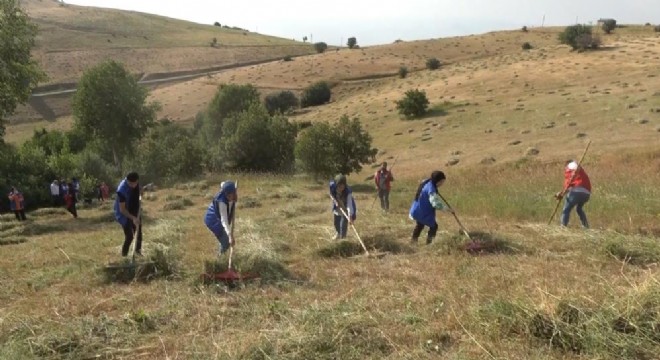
[255, 141]
[316, 94]
[325, 150]
[169, 152]
[414, 104]
[19, 73]
[609, 25]
[304, 38]
[228, 100]
[111, 108]
[432, 64]
[352, 41]
[320, 47]
[578, 37]
[280, 102]
[217, 24]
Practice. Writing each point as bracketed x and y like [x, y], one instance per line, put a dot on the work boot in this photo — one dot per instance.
[429, 241]
[336, 237]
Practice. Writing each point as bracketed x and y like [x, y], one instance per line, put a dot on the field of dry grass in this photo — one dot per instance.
[539, 292]
[502, 122]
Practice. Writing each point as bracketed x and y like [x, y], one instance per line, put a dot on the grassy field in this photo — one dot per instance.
[537, 291]
[502, 123]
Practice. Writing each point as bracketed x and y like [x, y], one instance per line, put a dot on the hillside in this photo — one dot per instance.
[73, 38]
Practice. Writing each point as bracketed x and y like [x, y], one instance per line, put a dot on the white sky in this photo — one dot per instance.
[383, 21]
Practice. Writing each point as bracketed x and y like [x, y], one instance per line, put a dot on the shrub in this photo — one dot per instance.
[403, 72]
[432, 64]
[524, 29]
[214, 42]
[609, 25]
[325, 149]
[280, 102]
[579, 37]
[352, 41]
[414, 104]
[287, 58]
[320, 47]
[217, 24]
[316, 94]
[657, 28]
[526, 46]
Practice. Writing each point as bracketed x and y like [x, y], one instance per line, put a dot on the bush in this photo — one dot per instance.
[579, 37]
[287, 58]
[280, 102]
[352, 41]
[524, 29]
[320, 47]
[403, 72]
[214, 42]
[316, 94]
[324, 150]
[432, 64]
[609, 25]
[526, 46]
[657, 28]
[414, 104]
[217, 24]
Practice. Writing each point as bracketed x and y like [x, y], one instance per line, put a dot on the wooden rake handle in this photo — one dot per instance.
[456, 217]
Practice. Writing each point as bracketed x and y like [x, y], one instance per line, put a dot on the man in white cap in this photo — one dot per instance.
[577, 189]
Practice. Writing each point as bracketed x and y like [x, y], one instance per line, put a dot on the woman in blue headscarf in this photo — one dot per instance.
[426, 202]
[220, 215]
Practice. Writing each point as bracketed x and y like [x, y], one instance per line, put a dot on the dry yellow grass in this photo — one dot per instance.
[435, 302]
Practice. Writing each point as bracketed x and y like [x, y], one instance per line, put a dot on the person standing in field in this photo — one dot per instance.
[70, 200]
[343, 203]
[220, 217]
[127, 212]
[17, 204]
[577, 189]
[105, 191]
[424, 206]
[383, 179]
[55, 192]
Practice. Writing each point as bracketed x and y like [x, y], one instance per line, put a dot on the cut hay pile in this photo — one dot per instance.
[160, 263]
[379, 243]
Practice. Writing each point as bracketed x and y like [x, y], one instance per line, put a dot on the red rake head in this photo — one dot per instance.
[229, 276]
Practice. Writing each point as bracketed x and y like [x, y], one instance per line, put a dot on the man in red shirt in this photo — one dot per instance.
[383, 179]
[577, 188]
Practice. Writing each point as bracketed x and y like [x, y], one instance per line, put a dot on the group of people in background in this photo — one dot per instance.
[67, 194]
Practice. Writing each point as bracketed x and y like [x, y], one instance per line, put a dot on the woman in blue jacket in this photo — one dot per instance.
[220, 215]
[427, 201]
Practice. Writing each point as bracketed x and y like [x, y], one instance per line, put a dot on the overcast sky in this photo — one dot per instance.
[383, 21]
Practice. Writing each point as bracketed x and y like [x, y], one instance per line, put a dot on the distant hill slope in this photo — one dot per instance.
[73, 38]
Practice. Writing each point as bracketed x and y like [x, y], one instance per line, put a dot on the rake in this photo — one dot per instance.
[570, 181]
[456, 217]
[366, 252]
[230, 276]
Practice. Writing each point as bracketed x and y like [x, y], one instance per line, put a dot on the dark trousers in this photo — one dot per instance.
[418, 231]
[56, 200]
[72, 210]
[20, 215]
[341, 226]
[384, 196]
[129, 231]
